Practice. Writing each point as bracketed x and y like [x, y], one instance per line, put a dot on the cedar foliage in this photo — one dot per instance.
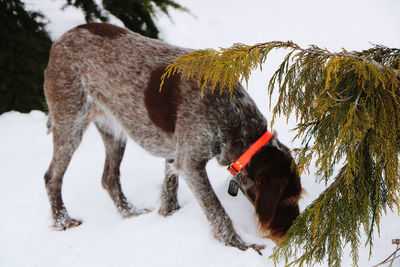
[347, 106]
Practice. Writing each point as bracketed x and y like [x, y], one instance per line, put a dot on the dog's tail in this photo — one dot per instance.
[49, 123]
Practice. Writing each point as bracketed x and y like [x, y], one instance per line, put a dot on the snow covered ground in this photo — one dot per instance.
[184, 239]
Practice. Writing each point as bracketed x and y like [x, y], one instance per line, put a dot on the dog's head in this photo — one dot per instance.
[271, 182]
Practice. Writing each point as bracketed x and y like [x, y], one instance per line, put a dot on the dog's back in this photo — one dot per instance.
[112, 75]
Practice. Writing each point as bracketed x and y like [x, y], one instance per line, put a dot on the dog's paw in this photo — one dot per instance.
[133, 212]
[62, 224]
[257, 248]
[168, 210]
[237, 242]
[127, 210]
[242, 246]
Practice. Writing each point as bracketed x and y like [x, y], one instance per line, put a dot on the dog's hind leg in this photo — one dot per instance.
[169, 190]
[67, 135]
[115, 148]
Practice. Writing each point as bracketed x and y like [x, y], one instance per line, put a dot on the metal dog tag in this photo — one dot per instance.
[233, 187]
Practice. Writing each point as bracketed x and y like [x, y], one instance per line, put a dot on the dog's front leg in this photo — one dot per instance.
[196, 177]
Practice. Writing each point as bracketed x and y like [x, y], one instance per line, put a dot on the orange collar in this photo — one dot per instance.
[244, 159]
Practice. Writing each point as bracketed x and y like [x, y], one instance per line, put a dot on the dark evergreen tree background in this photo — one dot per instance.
[24, 49]
[136, 15]
[25, 43]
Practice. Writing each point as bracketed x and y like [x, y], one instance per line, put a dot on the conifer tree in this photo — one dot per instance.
[137, 15]
[347, 106]
[24, 50]
[25, 43]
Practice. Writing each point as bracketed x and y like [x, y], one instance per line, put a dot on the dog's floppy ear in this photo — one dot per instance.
[268, 190]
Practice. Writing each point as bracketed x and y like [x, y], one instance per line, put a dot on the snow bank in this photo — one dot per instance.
[184, 239]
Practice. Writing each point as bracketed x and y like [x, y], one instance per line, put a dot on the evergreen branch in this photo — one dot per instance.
[340, 100]
[327, 53]
[252, 57]
[392, 256]
[347, 105]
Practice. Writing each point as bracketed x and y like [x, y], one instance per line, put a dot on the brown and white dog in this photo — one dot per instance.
[109, 75]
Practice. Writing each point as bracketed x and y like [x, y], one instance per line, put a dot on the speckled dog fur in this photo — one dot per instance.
[109, 75]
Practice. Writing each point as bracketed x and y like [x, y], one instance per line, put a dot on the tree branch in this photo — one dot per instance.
[392, 256]
[323, 53]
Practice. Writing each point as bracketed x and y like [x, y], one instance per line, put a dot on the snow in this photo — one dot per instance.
[183, 239]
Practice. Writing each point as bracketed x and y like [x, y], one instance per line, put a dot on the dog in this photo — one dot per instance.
[110, 76]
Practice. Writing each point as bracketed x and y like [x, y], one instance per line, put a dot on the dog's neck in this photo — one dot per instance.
[245, 126]
[238, 144]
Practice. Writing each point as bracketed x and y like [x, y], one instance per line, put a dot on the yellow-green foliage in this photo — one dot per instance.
[347, 107]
